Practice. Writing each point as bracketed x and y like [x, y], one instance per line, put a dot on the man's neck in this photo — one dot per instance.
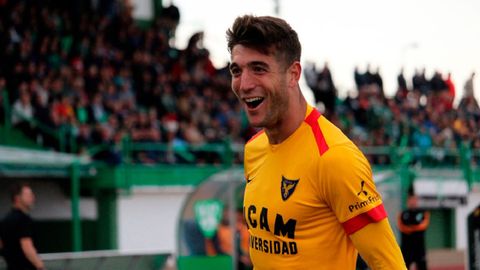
[22, 208]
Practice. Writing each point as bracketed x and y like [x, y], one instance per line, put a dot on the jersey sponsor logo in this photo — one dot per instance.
[281, 228]
[273, 246]
[365, 202]
[362, 191]
[288, 187]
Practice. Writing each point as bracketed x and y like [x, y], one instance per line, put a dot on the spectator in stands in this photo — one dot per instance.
[97, 109]
[378, 82]
[360, 79]
[103, 136]
[468, 88]
[84, 138]
[16, 233]
[449, 96]
[169, 19]
[23, 112]
[468, 103]
[323, 88]
[402, 88]
[146, 130]
[420, 82]
[437, 84]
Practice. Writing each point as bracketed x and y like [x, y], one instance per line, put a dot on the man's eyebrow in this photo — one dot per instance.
[258, 63]
[233, 65]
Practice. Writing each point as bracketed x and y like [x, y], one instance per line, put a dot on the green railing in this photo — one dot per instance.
[226, 154]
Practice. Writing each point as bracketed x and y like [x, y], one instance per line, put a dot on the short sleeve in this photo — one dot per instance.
[349, 187]
[25, 227]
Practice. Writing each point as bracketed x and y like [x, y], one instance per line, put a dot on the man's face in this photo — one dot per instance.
[26, 198]
[260, 83]
[412, 201]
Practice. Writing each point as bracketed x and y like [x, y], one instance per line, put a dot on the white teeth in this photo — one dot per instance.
[253, 99]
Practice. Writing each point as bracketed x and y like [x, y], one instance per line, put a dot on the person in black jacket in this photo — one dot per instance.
[412, 223]
[16, 233]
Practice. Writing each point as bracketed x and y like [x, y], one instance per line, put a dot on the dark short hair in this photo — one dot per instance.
[16, 189]
[266, 34]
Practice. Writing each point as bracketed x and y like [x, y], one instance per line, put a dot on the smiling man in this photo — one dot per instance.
[310, 200]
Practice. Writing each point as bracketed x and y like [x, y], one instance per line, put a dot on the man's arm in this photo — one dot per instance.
[31, 252]
[378, 247]
[424, 224]
[408, 229]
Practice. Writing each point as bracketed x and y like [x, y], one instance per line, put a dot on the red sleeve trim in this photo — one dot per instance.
[312, 121]
[356, 223]
[256, 135]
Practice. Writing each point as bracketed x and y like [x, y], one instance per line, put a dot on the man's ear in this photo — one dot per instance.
[294, 71]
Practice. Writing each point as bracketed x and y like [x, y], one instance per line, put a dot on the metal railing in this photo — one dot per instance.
[103, 260]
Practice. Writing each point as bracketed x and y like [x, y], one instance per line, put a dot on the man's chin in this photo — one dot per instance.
[256, 123]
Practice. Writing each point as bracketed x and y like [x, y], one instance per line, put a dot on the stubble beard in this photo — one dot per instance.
[277, 108]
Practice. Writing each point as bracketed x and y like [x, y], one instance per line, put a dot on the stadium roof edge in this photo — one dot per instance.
[21, 162]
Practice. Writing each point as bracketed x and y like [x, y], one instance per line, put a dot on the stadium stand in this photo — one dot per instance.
[90, 81]
[73, 80]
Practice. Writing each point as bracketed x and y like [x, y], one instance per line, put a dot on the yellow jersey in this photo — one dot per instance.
[305, 196]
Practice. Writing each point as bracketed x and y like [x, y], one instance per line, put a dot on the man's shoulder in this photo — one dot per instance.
[257, 141]
[327, 135]
[256, 137]
[16, 215]
[332, 132]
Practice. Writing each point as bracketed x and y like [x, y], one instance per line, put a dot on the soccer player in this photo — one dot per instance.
[310, 200]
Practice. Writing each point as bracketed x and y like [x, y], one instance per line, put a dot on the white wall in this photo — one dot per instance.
[148, 217]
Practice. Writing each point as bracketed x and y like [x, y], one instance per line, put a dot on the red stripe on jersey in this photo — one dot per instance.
[312, 121]
[373, 215]
[256, 135]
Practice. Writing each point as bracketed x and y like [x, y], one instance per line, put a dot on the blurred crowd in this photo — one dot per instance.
[92, 71]
[100, 76]
[421, 114]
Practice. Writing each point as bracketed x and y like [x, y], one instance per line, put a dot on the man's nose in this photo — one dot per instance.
[247, 81]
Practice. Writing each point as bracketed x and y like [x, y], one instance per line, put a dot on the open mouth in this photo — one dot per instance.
[253, 102]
